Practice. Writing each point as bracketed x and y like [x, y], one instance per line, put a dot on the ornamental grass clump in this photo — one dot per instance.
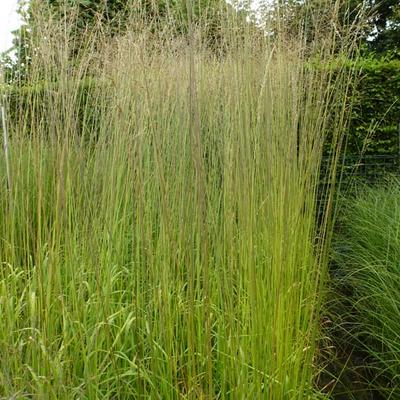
[366, 309]
[160, 239]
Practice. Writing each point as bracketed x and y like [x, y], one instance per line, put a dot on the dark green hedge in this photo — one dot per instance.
[376, 112]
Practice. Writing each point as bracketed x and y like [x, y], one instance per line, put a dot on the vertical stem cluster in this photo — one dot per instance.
[164, 238]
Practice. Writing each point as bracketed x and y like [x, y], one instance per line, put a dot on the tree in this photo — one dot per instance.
[381, 31]
[384, 35]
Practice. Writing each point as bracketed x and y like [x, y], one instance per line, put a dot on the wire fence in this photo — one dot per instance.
[356, 171]
[370, 168]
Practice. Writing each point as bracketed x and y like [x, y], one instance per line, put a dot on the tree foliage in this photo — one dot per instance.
[381, 19]
[385, 30]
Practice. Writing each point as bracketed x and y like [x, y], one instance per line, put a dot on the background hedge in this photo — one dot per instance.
[376, 112]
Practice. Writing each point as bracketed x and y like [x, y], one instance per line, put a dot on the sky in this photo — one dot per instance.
[9, 21]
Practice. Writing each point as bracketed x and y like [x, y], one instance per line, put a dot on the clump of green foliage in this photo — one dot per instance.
[165, 244]
[367, 280]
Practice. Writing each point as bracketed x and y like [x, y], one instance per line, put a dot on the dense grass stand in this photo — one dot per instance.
[160, 239]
